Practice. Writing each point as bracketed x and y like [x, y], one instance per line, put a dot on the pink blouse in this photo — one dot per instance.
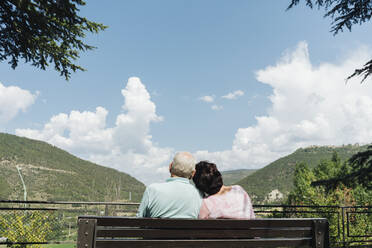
[234, 204]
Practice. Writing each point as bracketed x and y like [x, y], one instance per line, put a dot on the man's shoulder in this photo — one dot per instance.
[155, 186]
[171, 185]
[158, 186]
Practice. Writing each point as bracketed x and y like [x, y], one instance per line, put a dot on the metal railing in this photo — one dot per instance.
[51, 222]
[54, 222]
[350, 226]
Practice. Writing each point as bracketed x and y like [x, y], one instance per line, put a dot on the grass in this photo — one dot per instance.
[72, 245]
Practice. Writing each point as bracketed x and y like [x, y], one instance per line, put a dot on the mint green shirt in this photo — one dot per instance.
[175, 198]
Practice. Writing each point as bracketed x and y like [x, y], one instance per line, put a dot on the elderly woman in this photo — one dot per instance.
[230, 202]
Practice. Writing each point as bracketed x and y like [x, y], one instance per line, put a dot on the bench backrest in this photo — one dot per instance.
[110, 232]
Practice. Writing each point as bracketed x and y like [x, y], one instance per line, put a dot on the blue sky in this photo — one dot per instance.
[143, 96]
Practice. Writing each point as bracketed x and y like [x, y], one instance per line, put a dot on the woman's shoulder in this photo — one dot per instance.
[237, 187]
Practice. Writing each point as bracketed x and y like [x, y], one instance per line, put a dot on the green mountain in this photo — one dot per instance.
[53, 174]
[233, 176]
[273, 182]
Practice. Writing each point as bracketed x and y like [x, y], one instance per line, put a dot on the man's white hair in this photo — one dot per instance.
[183, 165]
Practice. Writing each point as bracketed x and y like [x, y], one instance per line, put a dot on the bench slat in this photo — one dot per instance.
[305, 242]
[197, 234]
[202, 224]
[116, 232]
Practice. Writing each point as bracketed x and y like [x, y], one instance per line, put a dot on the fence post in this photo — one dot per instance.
[106, 210]
[343, 226]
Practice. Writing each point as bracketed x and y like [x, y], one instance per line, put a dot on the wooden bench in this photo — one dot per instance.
[116, 232]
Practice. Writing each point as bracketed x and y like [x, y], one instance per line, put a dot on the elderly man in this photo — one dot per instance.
[175, 198]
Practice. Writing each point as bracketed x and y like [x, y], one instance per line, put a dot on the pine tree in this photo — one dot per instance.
[44, 32]
[358, 171]
[344, 14]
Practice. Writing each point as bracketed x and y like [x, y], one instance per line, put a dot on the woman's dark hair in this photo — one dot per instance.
[207, 178]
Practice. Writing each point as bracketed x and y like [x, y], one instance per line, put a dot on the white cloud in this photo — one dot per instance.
[79, 132]
[311, 105]
[13, 100]
[207, 98]
[234, 95]
[127, 146]
[216, 107]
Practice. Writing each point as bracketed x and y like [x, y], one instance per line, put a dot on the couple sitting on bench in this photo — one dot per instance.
[179, 198]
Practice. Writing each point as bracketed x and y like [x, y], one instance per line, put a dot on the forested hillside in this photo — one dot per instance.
[53, 174]
[278, 175]
[233, 176]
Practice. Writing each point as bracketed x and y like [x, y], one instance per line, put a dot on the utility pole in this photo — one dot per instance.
[24, 185]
